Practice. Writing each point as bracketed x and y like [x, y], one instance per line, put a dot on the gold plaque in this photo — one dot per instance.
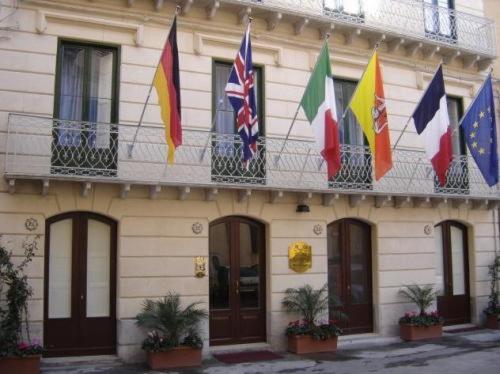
[299, 256]
[200, 267]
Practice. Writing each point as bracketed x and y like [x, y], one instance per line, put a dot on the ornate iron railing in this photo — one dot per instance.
[413, 19]
[47, 148]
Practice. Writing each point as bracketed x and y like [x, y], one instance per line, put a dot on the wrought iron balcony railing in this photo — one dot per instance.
[412, 19]
[47, 148]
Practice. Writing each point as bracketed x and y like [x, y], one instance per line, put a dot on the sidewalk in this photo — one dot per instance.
[469, 352]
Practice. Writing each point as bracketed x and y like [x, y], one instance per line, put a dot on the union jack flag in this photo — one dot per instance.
[241, 93]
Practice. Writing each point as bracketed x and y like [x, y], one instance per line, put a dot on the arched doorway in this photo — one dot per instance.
[452, 272]
[237, 281]
[80, 285]
[350, 272]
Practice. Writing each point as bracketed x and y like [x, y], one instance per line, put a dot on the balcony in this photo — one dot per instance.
[49, 149]
[411, 24]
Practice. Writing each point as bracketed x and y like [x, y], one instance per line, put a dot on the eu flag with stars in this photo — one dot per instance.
[480, 132]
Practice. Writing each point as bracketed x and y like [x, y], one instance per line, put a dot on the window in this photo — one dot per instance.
[356, 157]
[439, 20]
[457, 179]
[351, 7]
[226, 147]
[84, 142]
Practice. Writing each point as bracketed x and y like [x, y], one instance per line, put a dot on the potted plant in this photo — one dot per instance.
[421, 325]
[493, 309]
[16, 354]
[173, 340]
[309, 334]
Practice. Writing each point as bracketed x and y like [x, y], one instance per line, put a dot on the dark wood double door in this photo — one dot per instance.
[237, 281]
[350, 273]
[80, 286]
[452, 272]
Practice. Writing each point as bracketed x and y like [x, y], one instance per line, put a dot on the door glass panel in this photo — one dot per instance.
[249, 266]
[71, 95]
[61, 237]
[359, 249]
[334, 261]
[219, 266]
[98, 269]
[439, 268]
[457, 260]
[101, 96]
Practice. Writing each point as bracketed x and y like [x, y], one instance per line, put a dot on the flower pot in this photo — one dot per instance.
[492, 321]
[307, 344]
[411, 332]
[175, 358]
[20, 365]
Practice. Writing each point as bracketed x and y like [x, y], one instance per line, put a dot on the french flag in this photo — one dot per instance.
[433, 125]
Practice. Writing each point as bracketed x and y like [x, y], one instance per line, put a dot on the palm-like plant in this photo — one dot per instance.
[308, 302]
[422, 296]
[167, 317]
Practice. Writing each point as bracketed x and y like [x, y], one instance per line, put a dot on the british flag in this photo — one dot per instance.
[241, 93]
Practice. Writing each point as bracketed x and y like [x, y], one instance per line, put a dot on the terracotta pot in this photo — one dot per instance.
[492, 321]
[410, 332]
[175, 358]
[20, 365]
[307, 344]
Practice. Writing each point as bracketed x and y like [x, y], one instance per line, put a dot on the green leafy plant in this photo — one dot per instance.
[171, 325]
[422, 297]
[310, 304]
[17, 295]
[493, 304]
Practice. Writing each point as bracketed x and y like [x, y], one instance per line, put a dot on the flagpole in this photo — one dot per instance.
[361, 79]
[411, 116]
[212, 128]
[475, 98]
[277, 159]
[130, 147]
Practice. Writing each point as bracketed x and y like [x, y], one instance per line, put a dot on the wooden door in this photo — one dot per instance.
[237, 281]
[452, 272]
[80, 286]
[350, 273]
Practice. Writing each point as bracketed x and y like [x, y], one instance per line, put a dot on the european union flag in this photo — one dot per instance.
[480, 132]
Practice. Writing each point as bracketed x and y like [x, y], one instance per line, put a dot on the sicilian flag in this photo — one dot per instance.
[368, 105]
[318, 103]
[166, 82]
[432, 124]
[241, 93]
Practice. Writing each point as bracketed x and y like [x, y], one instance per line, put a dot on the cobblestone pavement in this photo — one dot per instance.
[476, 352]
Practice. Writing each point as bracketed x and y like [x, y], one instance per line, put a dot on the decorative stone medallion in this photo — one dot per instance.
[31, 224]
[318, 229]
[299, 256]
[197, 228]
[427, 229]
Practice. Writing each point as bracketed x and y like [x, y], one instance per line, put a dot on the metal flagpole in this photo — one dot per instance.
[360, 79]
[473, 101]
[409, 119]
[277, 159]
[212, 128]
[131, 146]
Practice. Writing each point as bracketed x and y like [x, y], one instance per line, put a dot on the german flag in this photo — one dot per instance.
[166, 82]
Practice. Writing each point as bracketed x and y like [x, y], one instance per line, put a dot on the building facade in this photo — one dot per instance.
[114, 225]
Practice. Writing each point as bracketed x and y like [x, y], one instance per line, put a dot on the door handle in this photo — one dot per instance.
[237, 287]
[81, 296]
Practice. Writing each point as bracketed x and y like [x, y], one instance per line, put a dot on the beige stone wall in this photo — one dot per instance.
[155, 242]
[156, 247]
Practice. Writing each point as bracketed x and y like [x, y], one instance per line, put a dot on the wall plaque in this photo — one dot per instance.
[299, 256]
[200, 266]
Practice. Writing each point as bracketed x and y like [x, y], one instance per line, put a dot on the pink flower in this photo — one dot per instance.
[23, 345]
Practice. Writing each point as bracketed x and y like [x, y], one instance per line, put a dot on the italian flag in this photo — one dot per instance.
[318, 103]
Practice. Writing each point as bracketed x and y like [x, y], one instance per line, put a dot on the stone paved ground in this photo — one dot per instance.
[476, 352]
